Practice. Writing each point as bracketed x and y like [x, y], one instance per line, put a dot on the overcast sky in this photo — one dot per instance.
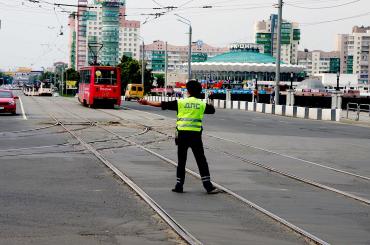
[29, 34]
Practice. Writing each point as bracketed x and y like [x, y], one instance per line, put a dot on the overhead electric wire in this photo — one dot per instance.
[186, 3]
[156, 2]
[335, 20]
[324, 7]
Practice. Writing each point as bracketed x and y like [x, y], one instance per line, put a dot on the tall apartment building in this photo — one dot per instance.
[355, 52]
[102, 24]
[317, 61]
[178, 55]
[266, 34]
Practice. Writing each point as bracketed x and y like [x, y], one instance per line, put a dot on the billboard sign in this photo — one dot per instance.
[247, 47]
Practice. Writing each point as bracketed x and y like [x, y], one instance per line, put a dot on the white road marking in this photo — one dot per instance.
[22, 108]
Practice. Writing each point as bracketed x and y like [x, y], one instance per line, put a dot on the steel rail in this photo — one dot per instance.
[29, 130]
[280, 220]
[181, 231]
[146, 129]
[277, 153]
[40, 153]
[306, 235]
[36, 147]
[291, 157]
[291, 176]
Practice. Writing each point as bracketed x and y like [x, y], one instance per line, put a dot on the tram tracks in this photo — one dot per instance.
[290, 157]
[28, 130]
[321, 165]
[310, 238]
[181, 231]
[275, 170]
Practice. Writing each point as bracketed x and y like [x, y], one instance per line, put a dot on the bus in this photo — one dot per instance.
[45, 89]
[100, 86]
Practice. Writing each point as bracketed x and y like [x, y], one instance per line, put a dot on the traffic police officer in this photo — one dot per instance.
[190, 112]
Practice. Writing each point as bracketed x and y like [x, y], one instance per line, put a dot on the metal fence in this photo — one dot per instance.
[358, 108]
[353, 107]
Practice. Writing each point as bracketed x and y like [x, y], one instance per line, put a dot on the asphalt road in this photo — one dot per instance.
[54, 191]
[57, 193]
[335, 218]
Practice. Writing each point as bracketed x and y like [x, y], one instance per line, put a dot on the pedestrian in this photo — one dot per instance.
[255, 95]
[272, 96]
[190, 112]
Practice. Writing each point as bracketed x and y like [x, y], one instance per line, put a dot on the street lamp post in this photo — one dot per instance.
[187, 22]
[338, 76]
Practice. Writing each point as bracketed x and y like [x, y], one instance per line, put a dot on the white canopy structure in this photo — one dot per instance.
[248, 67]
[245, 65]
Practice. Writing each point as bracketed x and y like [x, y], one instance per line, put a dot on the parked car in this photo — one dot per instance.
[8, 102]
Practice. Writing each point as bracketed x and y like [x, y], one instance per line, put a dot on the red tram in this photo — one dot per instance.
[100, 85]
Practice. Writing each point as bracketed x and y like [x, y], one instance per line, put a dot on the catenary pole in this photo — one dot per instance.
[142, 64]
[166, 69]
[189, 57]
[278, 51]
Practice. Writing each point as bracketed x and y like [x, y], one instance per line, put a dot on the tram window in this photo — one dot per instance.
[87, 77]
[46, 85]
[106, 77]
[82, 73]
[139, 89]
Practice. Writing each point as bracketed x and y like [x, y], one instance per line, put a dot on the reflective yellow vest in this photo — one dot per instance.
[190, 114]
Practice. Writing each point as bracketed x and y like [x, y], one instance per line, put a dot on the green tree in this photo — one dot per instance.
[5, 79]
[71, 75]
[160, 80]
[46, 76]
[131, 73]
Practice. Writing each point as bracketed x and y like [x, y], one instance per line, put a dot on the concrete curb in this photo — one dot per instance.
[281, 110]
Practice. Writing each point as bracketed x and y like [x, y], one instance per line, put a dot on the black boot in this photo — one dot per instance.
[178, 188]
[210, 188]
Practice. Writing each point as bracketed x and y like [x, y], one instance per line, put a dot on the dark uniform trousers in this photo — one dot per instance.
[193, 140]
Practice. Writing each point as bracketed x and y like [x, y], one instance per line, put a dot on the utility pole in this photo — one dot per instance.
[62, 79]
[165, 69]
[189, 58]
[278, 52]
[142, 64]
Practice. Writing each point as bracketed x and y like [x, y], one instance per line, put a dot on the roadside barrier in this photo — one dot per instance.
[354, 107]
[280, 110]
[364, 110]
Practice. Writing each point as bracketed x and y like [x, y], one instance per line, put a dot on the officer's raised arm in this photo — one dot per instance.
[210, 109]
[151, 103]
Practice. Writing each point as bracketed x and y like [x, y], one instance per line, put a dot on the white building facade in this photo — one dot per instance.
[177, 55]
[355, 52]
[318, 61]
[104, 26]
